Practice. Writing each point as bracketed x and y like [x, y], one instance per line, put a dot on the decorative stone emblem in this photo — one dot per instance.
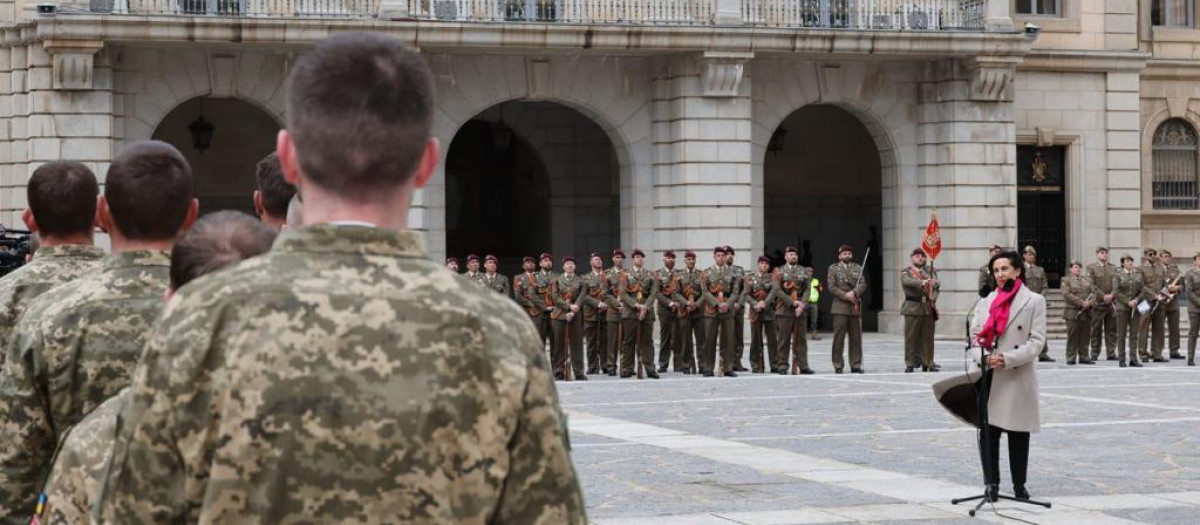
[73, 62]
[722, 72]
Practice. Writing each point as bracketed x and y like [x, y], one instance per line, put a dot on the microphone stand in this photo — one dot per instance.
[985, 432]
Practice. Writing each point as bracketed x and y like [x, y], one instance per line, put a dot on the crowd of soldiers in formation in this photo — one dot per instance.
[212, 370]
[700, 313]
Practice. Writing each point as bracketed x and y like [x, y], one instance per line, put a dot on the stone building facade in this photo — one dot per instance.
[574, 126]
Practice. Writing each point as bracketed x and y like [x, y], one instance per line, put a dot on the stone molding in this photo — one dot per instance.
[722, 72]
[73, 62]
[991, 79]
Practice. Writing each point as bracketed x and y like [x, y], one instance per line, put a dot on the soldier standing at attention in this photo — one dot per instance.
[739, 315]
[543, 279]
[76, 345]
[615, 308]
[1128, 293]
[1174, 286]
[1035, 280]
[473, 269]
[1151, 323]
[691, 314]
[594, 310]
[719, 287]
[61, 213]
[668, 287]
[1191, 283]
[532, 291]
[567, 291]
[452, 264]
[638, 289]
[789, 302]
[919, 285]
[986, 282]
[1104, 315]
[1079, 297]
[493, 280]
[757, 294]
[374, 332]
[847, 284]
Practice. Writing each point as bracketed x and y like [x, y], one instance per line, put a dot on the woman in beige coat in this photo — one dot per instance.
[1011, 321]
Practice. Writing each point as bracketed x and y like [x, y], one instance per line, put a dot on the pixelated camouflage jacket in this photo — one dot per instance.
[80, 464]
[50, 267]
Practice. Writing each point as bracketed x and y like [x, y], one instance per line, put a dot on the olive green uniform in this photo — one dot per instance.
[595, 289]
[567, 291]
[1077, 290]
[1150, 325]
[637, 287]
[668, 326]
[1035, 280]
[918, 316]
[758, 287]
[612, 318]
[1104, 316]
[497, 283]
[532, 291]
[739, 320]
[691, 323]
[791, 284]
[842, 279]
[1128, 288]
[1191, 283]
[720, 287]
[1172, 314]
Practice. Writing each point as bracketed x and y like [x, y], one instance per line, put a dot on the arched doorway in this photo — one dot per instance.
[822, 183]
[529, 177]
[242, 134]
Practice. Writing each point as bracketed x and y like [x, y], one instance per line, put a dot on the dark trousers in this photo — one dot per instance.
[791, 341]
[989, 451]
[758, 329]
[814, 316]
[691, 330]
[568, 340]
[637, 343]
[667, 342]
[596, 334]
[1078, 331]
[545, 333]
[918, 334]
[1150, 333]
[1104, 327]
[1173, 328]
[1127, 324]
[739, 337]
[844, 325]
[1193, 332]
[722, 328]
[613, 336]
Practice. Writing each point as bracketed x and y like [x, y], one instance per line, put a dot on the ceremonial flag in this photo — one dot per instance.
[931, 242]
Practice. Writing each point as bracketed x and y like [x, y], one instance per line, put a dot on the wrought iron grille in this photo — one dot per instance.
[1174, 159]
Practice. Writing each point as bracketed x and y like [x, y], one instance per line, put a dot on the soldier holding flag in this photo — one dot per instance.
[921, 286]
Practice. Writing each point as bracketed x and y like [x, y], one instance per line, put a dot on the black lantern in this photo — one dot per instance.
[775, 145]
[202, 131]
[501, 137]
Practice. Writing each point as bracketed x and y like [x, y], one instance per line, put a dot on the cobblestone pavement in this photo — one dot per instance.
[1118, 445]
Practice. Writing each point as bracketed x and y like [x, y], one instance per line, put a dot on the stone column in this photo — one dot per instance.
[702, 138]
[1124, 159]
[967, 171]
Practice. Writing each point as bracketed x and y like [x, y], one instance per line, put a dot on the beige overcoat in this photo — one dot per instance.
[1013, 404]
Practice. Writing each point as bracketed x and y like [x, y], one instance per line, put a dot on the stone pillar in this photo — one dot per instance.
[702, 123]
[998, 18]
[967, 171]
[1124, 162]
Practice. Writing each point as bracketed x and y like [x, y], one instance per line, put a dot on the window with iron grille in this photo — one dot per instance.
[1175, 158]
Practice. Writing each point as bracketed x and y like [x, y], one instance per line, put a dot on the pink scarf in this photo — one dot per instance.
[997, 316]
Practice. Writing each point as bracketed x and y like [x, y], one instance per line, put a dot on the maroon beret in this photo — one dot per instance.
[638, 253]
[729, 250]
[452, 260]
[917, 251]
[527, 259]
[719, 249]
[689, 255]
[791, 249]
[764, 259]
[618, 253]
[491, 258]
[844, 248]
[472, 257]
[568, 259]
[596, 254]
[669, 253]
[545, 256]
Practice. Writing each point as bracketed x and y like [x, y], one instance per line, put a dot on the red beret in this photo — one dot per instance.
[689, 255]
[729, 250]
[764, 259]
[491, 258]
[527, 259]
[638, 253]
[568, 259]
[917, 251]
[452, 260]
[618, 253]
[669, 253]
[545, 256]
[719, 249]
[791, 249]
[844, 248]
[472, 257]
[596, 254]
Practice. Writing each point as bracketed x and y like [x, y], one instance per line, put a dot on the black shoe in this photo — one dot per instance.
[1088, 362]
[806, 371]
[652, 374]
[992, 493]
[857, 371]
[935, 368]
[1020, 492]
[730, 374]
[1071, 361]
[908, 369]
[837, 370]
[1046, 359]
[1177, 356]
[740, 368]
[1135, 364]
[594, 371]
[781, 371]
[1110, 358]
[1191, 362]
[626, 376]
[1121, 364]
[686, 371]
[662, 369]
[581, 377]
[707, 374]
[612, 373]
[1161, 360]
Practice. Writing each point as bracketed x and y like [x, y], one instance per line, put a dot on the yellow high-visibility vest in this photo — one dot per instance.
[813, 294]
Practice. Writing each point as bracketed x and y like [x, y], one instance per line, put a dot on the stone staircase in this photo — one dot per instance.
[1056, 327]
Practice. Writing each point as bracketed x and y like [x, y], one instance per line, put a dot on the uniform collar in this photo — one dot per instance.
[69, 250]
[350, 239]
[137, 258]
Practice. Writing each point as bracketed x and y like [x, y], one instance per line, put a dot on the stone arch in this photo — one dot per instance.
[598, 88]
[1153, 122]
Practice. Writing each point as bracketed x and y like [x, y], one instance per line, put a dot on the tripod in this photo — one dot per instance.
[982, 390]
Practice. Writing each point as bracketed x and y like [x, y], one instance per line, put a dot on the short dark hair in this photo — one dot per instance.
[149, 189]
[360, 110]
[62, 196]
[217, 240]
[275, 190]
[1014, 259]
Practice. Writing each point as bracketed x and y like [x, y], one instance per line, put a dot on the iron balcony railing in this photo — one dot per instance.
[902, 15]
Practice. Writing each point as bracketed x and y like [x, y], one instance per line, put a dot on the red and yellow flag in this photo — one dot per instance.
[931, 242]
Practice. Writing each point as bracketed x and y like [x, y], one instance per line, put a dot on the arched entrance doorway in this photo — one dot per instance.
[241, 135]
[529, 177]
[822, 183]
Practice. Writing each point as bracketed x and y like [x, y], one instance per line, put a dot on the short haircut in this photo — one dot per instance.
[1014, 259]
[149, 190]
[62, 197]
[276, 192]
[1130, 258]
[218, 240]
[360, 111]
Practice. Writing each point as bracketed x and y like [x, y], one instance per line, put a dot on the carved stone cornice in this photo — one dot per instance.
[73, 62]
[721, 72]
[991, 78]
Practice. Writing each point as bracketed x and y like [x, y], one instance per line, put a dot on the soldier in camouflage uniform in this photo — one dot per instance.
[612, 319]
[668, 307]
[473, 269]
[1128, 293]
[691, 314]
[637, 291]
[757, 290]
[61, 212]
[986, 282]
[493, 280]
[720, 293]
[1079, 298]
[739, 314]
[567, 292]
[1174, 285]
[919, 284]
[1191, 282]
[218, 240]
[1151, 323]
[1035, 280]
[847, 284]
[791, 287]
[452, 264]
[1103, 275]
[595, 309]
[370, 385]
[76, 345]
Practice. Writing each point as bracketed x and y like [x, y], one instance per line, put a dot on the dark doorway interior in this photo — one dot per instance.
[1042, 207]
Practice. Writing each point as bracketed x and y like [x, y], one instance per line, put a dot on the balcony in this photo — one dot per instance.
[883, 15]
